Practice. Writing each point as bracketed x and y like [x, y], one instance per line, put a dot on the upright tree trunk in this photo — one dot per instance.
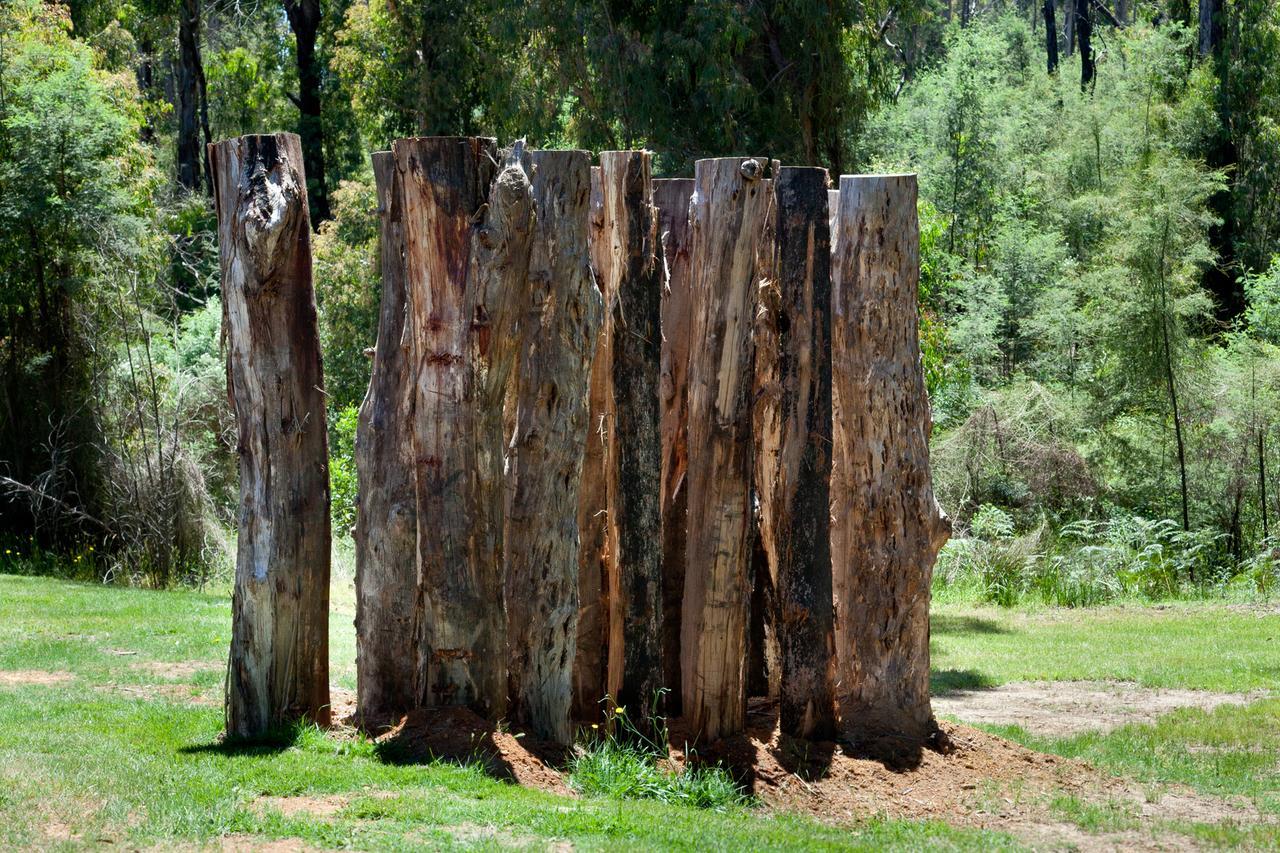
[671, 196]
[1069, 24]
[192, 112]
[636, 277]
[591, 661]
[1084, 35]
[467, 237]
[279, 667]
[304, 19]
[793, 477]
[728, 217]
[887, 527]
[386, 534]
[1050, 36]
[1210, 29]
[545, 461]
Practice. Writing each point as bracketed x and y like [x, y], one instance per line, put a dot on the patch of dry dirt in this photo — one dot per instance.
[182, 670]
[186, 694]
[1065, 708]
[325, 806]
[459, 735]
[32, 678]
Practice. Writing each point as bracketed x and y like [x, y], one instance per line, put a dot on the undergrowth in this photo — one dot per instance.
[624, 763]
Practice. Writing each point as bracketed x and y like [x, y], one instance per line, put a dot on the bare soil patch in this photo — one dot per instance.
[1065, 708]
[182, 670]
[461, 736]
[33, 678]
[325, 806]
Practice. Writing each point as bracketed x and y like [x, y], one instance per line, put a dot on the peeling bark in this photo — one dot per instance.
[279, 663]
[671, 196]
[468, 225]
[887, 527]
[728, 216]
[386, 532]
[635, 278]
[545, 463]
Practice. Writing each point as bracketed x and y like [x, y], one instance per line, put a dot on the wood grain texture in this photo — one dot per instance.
[671, 197]
[728, 216]
[468, 227]
[591, 661]
[279, 663]
[793, 480]
[635, 278]
[887, 527]
[544, 465]
[386, 532]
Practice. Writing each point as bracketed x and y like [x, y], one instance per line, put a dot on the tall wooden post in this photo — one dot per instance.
[728, 215]
[279, 668]
[635, 276]
[887, 527]
[793, 477]
[591, 661]
[468, 225]
[386, 534]
[671, 196]
[545, 462]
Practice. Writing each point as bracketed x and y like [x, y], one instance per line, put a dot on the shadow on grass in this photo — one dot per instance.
[942, 623]
[272, 743]
[946, 681]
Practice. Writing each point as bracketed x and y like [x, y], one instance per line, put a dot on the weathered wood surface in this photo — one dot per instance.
[386, 532]
[794, 420]
[590, 663]
[887, 526]
[279, 664]
[468, 226]
[636, 277]
[545, 462]
[728, 216]
[671, 197]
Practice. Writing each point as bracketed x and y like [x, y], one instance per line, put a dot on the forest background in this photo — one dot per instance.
[1100, 211]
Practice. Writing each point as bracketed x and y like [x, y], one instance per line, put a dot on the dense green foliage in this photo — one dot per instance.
[1101, 314]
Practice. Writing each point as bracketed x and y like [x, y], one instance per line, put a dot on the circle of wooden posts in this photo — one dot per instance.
[657, 442]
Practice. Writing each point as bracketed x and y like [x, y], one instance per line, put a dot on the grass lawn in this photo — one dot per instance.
[116, 745]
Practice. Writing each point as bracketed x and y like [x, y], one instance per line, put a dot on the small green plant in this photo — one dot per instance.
[622, 762]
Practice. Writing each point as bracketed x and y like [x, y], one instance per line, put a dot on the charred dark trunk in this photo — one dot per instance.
[1050, 36]
[304, 20]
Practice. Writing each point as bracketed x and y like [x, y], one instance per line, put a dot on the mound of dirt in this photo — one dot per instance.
[459, 735]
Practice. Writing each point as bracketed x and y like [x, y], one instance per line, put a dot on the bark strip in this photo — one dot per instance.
[468, 224]
[545, 463]
[887, 527]
[728, 216]
[671, 196]
[279, 664]
[635, 276]
[386, 532]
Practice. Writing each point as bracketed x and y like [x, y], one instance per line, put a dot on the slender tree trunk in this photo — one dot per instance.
[636, 278]
[591, 662]
[671, 196]
[1050, 36]
[304, 19]
[1262, 483]
[545, 462]
[887, 527]
[1210, 26]
[279, 667]
[467, 238]
[191, 154]
[794, 476]
[386, 533]
[728, 216]
[1084, 35]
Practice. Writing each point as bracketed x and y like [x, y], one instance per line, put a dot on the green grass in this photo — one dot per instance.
[1199, 646]
[99, 762]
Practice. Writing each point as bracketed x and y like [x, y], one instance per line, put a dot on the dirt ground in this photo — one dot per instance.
[1065, 708]
[984, 782]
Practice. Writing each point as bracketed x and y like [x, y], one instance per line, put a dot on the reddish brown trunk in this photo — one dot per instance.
[887, 527]
[279, 668]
